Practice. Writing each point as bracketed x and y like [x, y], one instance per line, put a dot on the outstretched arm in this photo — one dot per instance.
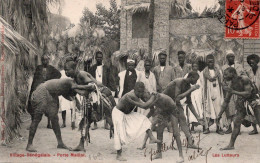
[87, 78]
[181, 96]
[225, 104]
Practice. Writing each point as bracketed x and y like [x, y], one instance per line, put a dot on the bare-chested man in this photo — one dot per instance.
[129, 125]
[178, 89]
[84, 87]
[45, 100]
[166, 111]
[246, 91]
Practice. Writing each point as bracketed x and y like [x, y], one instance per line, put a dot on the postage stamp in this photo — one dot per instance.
[242, 19]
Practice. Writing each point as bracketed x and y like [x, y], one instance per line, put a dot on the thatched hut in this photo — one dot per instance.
[18, 60]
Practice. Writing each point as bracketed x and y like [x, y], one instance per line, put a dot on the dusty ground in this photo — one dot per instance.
[100, 148]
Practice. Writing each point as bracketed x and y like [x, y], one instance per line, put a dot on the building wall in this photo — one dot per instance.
[161, 27]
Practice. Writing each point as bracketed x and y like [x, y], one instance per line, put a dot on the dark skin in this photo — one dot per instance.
[231, 59]
[56, 87]
[162, 59]
[128, 102]
[166, 104]
[131, 66]
[99, 58]
[84, 79]
[181, 59]
[45, 61]
[243, 89]
[147, 67]
[253, 65]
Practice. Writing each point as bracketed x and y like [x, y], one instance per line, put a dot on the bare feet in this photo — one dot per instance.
[120, 158]
[30, 148]
[157, 156]
[63, 146]
[153, 140]
[192, 146]
[143, 147]
[227, 148]
[114, 152]
[180, 160]
[94, 127]
[63, 126]
[253, 132]
[79, 148]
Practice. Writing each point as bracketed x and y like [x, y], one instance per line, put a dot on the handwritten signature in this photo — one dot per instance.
[193, 156]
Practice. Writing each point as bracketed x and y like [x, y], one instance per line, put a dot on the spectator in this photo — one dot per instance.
[130, 75]
[212, 94]
[148, 78]
[182, 68]
[102, 74]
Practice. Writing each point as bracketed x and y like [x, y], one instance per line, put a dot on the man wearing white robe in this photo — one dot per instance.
[129, 125]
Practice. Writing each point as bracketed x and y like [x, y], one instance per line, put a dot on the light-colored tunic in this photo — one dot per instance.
[128, 127]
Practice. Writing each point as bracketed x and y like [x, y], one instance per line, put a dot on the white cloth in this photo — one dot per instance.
[196, 99]
[128, 127]
[99, 73]
[121, 76]
[65, 104]
[162, 68]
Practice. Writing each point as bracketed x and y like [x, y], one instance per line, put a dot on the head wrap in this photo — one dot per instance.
[230, 53]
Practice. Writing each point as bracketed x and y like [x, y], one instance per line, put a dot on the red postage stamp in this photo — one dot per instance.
[242, 19]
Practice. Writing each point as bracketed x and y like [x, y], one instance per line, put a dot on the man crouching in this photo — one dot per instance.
[129, 125]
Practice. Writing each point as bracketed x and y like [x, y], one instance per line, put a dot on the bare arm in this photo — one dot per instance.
[181, 96]
[225, 104]
[141, 104]
[151, 112]
[86, 76]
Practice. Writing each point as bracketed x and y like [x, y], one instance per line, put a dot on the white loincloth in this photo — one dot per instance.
[128, 127]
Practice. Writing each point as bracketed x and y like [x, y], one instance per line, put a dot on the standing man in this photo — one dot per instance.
[179, 89]
[148, 78]
[164, 74]
[246, 92]
[231, 111]
[127, 78]
[102, 74]
[183, 68]
[213, 94]
[254, 75]
[43, 73]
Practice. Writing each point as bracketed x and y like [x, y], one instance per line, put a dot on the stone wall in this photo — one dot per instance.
[161, 27]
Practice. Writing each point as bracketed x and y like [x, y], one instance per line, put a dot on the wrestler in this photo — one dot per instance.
[246, 91]
[166, 111]
[85, 87]
[45, 100]
[178, 89]
[129, 125]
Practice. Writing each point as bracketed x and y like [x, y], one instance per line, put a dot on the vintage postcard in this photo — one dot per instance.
[129, 80]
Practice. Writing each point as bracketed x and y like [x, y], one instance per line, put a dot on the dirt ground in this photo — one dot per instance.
[247, 148]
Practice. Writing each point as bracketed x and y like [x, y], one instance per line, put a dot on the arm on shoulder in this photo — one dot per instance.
[137, 102]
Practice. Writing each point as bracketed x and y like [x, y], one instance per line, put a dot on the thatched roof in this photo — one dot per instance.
[138, 7]
[19, 61]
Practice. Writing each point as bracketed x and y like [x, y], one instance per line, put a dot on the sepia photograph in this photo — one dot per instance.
[104, 81]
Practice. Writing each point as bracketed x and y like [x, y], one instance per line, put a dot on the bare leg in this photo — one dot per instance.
[144, 142]
[49, 123]
[56, 129]
[63, 115]
[80, 147]
[160, 130]
[33, 128]
[257, 114]
[152, 138]
[237, 124]
[176, 135]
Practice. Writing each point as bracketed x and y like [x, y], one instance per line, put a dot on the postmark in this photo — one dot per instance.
[242, 19]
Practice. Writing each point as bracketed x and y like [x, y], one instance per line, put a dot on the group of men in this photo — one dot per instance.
[165, 92]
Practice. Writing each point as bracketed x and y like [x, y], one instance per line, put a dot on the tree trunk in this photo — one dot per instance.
[151, 27]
